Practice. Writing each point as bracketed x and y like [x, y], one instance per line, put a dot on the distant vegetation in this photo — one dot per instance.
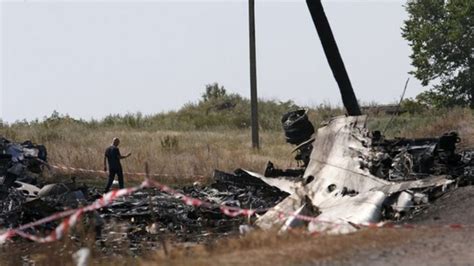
[216, 109]
[220, 110]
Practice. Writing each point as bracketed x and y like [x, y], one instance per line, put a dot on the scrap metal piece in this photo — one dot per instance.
[303, 152]
[82, 257]
[297, 127]
[278, 215]
[402, 165]
[293, 221]
[17, 169]
[401, 203]
[360, 209]
[29, 191]
[341, 150]
[16, 151]
[288, 185]
[433, 181]
[53, 190]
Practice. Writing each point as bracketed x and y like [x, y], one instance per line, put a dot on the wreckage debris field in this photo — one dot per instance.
[337, 183]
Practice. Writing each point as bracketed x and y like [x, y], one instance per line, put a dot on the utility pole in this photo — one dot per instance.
[253, 76]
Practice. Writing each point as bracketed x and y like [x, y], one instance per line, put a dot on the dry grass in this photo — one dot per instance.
[430, 124]
[196, 154]
[460, 120]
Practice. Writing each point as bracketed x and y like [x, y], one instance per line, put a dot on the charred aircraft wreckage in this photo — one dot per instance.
[347, 176]
[354, 176]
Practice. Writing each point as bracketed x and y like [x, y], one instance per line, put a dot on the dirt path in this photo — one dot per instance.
[447, 247]
[441, 247]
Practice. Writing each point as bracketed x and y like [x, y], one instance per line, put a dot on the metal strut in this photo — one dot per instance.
[334, 57]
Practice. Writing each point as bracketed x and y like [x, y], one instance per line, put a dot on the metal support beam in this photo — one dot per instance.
[253, 76]
[334, 57]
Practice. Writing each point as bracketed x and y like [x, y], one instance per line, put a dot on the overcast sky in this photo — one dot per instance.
[89, 59]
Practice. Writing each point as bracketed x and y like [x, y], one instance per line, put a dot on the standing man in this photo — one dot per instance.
[113, 157]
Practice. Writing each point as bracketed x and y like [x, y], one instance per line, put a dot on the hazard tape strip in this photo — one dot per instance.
[68, 168]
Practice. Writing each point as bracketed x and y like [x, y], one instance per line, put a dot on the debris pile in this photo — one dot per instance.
[20, 167]
[22, 162]
[355, 176]
[141, 219]
[152, 214]
[410, 159]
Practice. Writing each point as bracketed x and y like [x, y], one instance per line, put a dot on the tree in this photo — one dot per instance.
[214, 92]
[216, 98]
[440, 33]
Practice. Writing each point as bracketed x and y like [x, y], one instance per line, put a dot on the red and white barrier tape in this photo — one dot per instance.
[68, 168]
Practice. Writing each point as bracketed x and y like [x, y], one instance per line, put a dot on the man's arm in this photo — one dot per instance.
[126, 156]
[123, 157]
[105, 163]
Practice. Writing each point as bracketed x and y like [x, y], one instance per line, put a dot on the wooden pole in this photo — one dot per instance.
[253, 76]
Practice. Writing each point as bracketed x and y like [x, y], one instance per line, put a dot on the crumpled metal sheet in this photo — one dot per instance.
[432, 181]
[362, 208]
[287, 185]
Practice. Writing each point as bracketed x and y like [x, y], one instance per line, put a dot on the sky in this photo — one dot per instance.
[89, 59]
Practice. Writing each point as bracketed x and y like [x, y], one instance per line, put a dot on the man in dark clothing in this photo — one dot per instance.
[113, 157]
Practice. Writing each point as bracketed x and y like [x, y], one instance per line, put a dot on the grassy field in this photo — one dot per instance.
[193, 154]
[180, 155]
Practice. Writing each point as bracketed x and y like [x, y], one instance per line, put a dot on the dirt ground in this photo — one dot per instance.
[445, 246]
[375, 247]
